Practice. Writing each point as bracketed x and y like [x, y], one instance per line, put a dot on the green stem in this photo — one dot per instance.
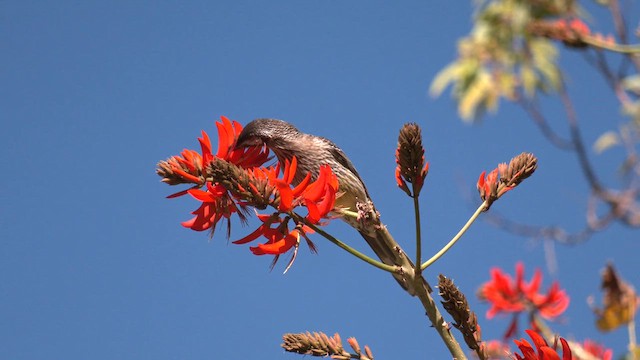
[455, 239]
[350, 250]
[416, 208]
[438, 322]
[623, 49]
[545, 330]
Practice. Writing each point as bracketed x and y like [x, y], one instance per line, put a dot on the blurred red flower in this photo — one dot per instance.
[507, 295]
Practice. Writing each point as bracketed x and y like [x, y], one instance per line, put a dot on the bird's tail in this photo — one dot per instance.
[390, 253]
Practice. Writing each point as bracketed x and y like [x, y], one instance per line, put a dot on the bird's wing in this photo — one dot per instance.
[342, 158]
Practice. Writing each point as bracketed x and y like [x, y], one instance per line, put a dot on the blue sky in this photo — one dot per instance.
[93, 259]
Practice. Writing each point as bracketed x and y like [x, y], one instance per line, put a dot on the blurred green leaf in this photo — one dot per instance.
[446, 76]
[477, 93]
[606, 141]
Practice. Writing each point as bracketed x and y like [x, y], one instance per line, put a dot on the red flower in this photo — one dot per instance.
[318, 197]
[544, 351]
[509, 296]
[189, 166]
[216, 204]
[505, 177]
[235, 180]
[488, 185]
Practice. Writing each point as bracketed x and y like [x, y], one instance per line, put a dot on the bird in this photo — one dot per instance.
[311, 152]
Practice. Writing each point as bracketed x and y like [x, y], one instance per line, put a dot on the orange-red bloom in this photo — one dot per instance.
[507, 295]
[544, 351]
[505, 177]
[318, 197]
[189, 166]
[234, 180]
[216, 204]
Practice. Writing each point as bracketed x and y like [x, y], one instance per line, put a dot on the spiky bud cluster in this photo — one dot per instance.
[319, 344]
[251, 185]
[505, 177]
[465, 320]
[410, 159]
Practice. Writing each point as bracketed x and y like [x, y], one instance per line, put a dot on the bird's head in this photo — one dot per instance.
[274, 133]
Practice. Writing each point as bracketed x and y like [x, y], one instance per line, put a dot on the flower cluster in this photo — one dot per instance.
[505, 177]
[544, 351]
[190, 168]
[318, 197]
[507, 295]
[235, 179]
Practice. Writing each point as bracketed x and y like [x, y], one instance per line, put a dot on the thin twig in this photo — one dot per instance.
[532, 109]
[457, 237]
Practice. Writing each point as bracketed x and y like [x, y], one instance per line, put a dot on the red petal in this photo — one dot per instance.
[547, 353]
[223, 140]
[566, 350]
[201, 195]
[185, 175]
[286, 196]
[205, 145]
[526, 349]
[254, 235]
[279, 247]
[237, 128]
[302, 186]
[537, 339]
[327, 203]
[290, 170]
[534, 284]
[314, 213]
[480, 183]
[316, 189]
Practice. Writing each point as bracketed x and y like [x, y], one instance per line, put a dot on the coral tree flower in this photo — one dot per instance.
[233, 179]
[318, 197]
[505, 177]
[540, 349]
[508, 295]
[190, 168]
